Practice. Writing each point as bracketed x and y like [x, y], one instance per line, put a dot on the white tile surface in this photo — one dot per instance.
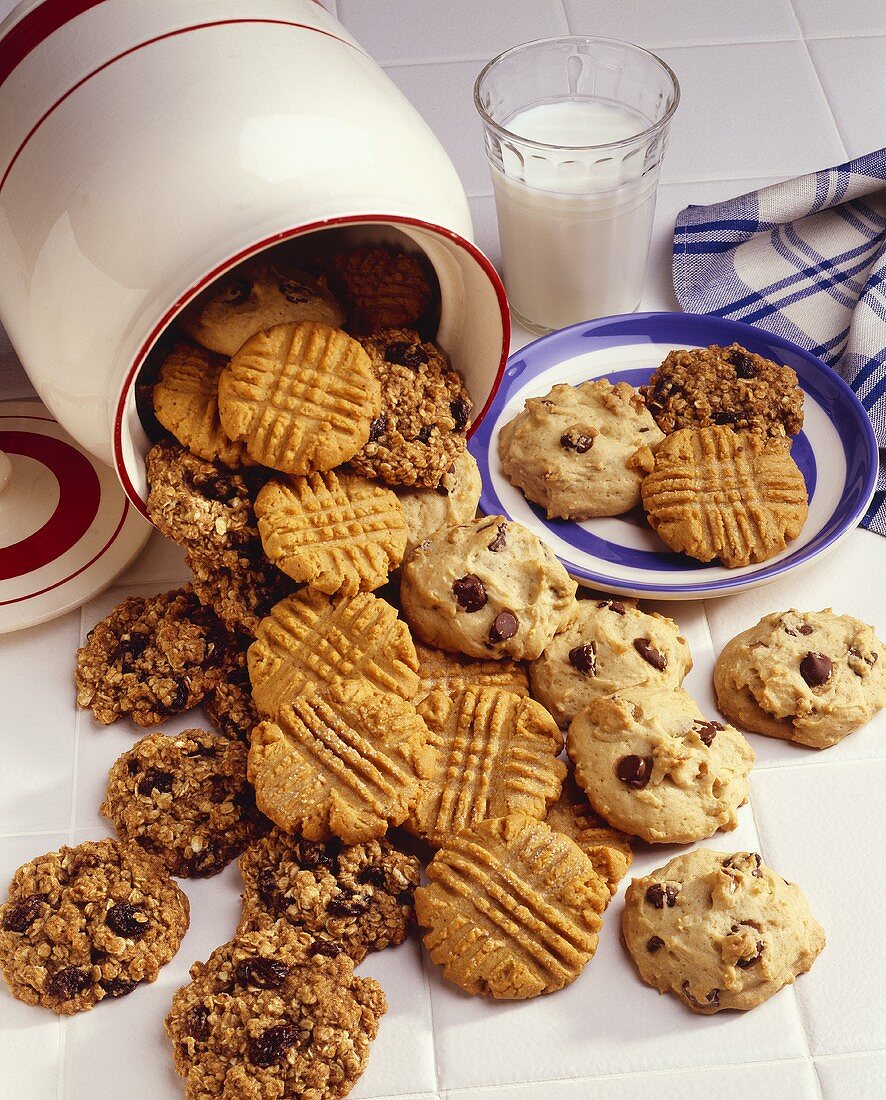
[813, 823]
[676, 23]
[853, 1076]
[825, 19]
[853, 74]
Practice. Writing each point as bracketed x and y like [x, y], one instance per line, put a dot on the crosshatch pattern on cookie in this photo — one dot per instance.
[327, 639]
[715, 493]
[513, 908]
[496, 755]
[454, 672]
[334, 531]
[302, 396]
[341, 761]
[608, 849]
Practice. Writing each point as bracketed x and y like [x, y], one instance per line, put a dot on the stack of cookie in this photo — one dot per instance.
[705, 446]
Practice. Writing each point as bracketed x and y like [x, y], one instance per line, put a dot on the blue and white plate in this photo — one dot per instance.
[836, 451]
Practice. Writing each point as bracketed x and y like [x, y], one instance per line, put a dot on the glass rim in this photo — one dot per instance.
[650, 130]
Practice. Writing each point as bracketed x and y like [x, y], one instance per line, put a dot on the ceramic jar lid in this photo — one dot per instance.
[66, 527]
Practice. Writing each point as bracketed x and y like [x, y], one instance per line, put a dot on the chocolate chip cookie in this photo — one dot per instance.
[719, 930]
[185, 799]
[705, 386]
[152, 657]
[265, 1018]
[453, 500]
[356, 898]
[425, 411]
[82, 924]
[810, 677]
[490, 588]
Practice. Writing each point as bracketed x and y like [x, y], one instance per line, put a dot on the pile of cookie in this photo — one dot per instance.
[705, 446]
[388, 675]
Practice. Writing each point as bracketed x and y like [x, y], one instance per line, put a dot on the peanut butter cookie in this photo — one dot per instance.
[454, 672]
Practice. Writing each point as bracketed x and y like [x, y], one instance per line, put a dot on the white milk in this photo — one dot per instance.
[574, 224]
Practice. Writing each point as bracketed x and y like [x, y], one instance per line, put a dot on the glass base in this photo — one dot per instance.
[543, 330]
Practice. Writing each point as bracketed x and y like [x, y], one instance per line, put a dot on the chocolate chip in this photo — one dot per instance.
[499, 542]
[262, 973]
[117, 987]
[614, 605]
[22, 914]
[154, 780]
[869, 661]
[377, 428]
[803, 628]
[747, 963]
[659, 895]
[271, 1045]
[425, 433]
[294, 291]
[469, 592]
[67, 983]
[744, 367]
[324, 947]
[461, 411]
[712, 1000]
[236, 293]
[577, 441]
[707, 731]
[650, 655]
[654, 943]
[816, 669]
[197, 1023]
[348, 905]
[584, 658]
[373, 876]
[129, 921]
[634, 771]
[739, 861]
[504, 626]
[406, 354]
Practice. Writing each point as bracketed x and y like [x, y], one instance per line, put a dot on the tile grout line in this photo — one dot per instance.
[423, 954]
[818, 80]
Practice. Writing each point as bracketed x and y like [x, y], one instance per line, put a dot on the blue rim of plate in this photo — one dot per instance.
[819, 382]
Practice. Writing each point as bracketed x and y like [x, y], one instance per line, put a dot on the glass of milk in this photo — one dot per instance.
[576, 129]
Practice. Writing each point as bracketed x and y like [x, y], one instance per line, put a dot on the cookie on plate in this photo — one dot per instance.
[381, 288]
[581, 451]
[265, 1018]
[716, 493]
[454, 672]
[356, 898]
[607, 645]
[608, 849]
[810, 677]
[335, 531]
[512, 908]
[328, 640]
[151, 657]
[719, 930]
[425, 411]
[343, 760]
[705, 386]
[452, 501]
[496, 754]
[490, 588]
[301, 397]
[254, 297]
[82, 924]
[653, 766]
[185, 800]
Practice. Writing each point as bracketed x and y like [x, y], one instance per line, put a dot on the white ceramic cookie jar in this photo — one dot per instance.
[147, 146]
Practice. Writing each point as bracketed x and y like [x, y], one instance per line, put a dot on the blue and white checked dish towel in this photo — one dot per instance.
[805, 259]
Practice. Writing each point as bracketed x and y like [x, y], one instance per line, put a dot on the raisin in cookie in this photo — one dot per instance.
[453, 500]
[581, 451]
[86, 923]
[607, 645]
[185, 799]
[810, 677]
[425, 410]
[714, 385]
[381, 289]
[265, 1018]
[718, 930]
[150, 658]
[490, 588]
[355, 899]
[253, 297]
[652, 765]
